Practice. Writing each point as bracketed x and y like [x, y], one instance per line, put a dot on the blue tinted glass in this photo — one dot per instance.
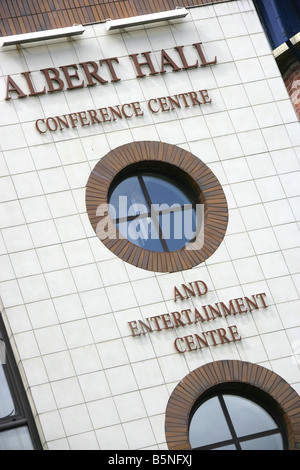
[141, 232]
[128, 199]
[178, 228]
[163, 192]
[138, 220]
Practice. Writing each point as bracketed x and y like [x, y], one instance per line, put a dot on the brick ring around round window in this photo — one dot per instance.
[260, 381]
[168, 159]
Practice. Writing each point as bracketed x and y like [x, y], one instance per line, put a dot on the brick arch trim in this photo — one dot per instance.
[169, 157]
[196, 383]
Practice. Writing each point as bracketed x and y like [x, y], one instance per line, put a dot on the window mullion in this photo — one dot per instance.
[153, 215]
[258, 435]
[216, 445]
[13, 423]
[229, 422]
[130, 218]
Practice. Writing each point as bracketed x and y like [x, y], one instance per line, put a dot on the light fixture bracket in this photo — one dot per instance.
[42, 35]
[146, 19]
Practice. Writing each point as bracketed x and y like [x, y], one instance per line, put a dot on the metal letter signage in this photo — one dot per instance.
[197, 316]
[105, 71]
[86, 74]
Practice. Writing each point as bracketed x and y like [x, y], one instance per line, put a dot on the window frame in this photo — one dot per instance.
[198, 178]
[23, 415]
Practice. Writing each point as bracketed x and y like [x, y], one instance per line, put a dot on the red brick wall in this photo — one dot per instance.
[25, 16]
[292, 83]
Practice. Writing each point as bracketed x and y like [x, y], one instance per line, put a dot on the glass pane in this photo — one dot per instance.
[128, 199]
[273, 442]
[127, 203]
[229, 447]
[178, 228]
[16, 439]
[247, 417]
[141, 232]
[208, 425]
[7, 407]
[162, 191]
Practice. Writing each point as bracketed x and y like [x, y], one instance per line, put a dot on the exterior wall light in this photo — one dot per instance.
[146, 19]
[41, 35]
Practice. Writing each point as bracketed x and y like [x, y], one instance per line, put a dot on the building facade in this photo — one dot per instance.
[149, 215]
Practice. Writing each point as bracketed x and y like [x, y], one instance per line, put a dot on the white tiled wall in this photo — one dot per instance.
[66, 298]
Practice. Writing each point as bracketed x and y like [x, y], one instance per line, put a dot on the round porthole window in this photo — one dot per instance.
[156, 206]
[233, 405]
[227, 421]
[154, 210]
